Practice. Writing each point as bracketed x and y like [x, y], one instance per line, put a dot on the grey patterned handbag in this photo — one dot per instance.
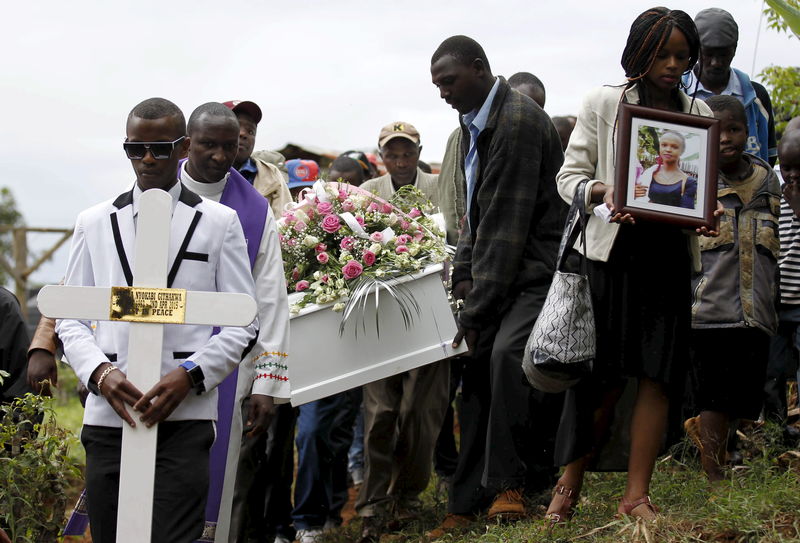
[561, 347]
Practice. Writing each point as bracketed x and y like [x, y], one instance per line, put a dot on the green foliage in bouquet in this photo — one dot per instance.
[340, 237]
[35, 470]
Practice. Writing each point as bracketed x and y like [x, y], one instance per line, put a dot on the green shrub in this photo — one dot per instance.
[35, 470]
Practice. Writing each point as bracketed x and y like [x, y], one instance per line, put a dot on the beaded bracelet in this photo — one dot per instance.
[103, 378]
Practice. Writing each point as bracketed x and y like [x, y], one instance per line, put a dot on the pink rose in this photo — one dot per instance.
[368, 257]
[281, 237]
[414, 213]
[292, 242]
[377, 237]
[347, 242]
[418, 235]
[402, 239]
[387, 208]
[321, 247]
[331, 224]
[301, 286]
[372, 207]
[310, 212]
[404, 224]
[342, 194]
[348, 205]
[401, 249]
[289, 216]
[322, 258]
[352, 269]
[299, 226]
[360, 220]
[324, 208]
[324, 278]
[295, 274]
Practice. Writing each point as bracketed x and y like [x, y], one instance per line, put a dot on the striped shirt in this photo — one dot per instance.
[789, 260]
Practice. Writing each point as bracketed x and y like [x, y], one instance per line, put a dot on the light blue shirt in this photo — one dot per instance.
[475, 121]
[734, 88]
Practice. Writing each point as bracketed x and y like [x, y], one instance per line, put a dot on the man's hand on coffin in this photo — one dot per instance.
[161, 400]
[470, 335]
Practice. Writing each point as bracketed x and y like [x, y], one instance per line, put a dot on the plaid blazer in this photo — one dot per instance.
[516, 216]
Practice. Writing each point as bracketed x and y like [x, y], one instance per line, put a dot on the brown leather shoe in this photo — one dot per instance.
[692, 428]
[508, 505]
[451, 523]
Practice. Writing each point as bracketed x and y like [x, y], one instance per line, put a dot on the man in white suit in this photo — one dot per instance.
[207, 252]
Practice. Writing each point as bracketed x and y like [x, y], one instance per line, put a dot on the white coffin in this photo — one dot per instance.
[322, 363]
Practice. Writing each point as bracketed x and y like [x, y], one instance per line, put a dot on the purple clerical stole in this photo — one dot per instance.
[252, 209]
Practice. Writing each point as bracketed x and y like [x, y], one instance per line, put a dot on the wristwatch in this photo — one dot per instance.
[195, 376]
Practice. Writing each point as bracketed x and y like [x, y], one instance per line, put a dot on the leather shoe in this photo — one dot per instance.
[451, 523]
[508, 505]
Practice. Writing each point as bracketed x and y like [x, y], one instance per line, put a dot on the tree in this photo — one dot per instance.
[783, 15]
[783, 82]
[9, 215]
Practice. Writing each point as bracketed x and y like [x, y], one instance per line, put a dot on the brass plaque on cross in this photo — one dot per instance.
[154, 305]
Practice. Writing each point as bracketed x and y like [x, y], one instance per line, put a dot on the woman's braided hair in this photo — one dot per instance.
[648, 34]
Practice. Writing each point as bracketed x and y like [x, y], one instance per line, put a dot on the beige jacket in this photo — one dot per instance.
[427, 183]
[269, 181]
[590, 155]
[452, 187]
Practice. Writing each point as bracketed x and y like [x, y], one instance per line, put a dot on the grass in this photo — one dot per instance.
[760, 503]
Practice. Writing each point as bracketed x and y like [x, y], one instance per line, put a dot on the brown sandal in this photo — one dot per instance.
[569, 499]
[626, 508]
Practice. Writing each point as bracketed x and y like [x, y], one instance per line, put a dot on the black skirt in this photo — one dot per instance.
[642, 305]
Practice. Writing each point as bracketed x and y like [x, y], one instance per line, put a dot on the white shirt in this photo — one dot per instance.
[269, 355]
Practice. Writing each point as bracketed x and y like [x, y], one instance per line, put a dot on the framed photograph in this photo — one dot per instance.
[666, 166]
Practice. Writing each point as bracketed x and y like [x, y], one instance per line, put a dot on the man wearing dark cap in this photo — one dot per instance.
[719, 35]
[403, 414]
[399, 145]
[258, 168]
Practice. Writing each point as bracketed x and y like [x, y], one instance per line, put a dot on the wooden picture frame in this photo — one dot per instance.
[654, 184]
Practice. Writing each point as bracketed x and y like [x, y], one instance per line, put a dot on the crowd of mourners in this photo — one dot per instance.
[696, 330]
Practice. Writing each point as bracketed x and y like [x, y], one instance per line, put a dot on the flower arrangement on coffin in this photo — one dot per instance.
[341, 243]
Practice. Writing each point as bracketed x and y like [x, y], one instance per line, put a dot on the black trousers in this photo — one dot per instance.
[181, 480]
[262, 501]
[507, 427]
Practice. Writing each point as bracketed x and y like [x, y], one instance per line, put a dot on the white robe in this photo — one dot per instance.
[268, 359]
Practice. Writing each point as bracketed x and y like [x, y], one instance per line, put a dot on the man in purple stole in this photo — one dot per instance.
[214, 131]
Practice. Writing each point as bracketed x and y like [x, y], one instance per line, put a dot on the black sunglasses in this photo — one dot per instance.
[161, 150]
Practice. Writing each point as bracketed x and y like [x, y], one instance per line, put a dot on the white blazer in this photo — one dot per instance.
[207, 252]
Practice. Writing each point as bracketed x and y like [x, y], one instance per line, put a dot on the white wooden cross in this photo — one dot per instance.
[136, 486]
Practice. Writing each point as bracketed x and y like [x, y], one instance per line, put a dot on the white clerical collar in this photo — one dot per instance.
[212, 191]
[175, 192]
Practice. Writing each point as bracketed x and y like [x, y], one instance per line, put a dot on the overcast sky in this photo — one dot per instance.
[329, 74]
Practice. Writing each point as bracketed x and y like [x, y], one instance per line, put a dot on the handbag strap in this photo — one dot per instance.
[575, 226]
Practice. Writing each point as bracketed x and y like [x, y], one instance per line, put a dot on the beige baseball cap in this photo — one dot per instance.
[398, 129]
